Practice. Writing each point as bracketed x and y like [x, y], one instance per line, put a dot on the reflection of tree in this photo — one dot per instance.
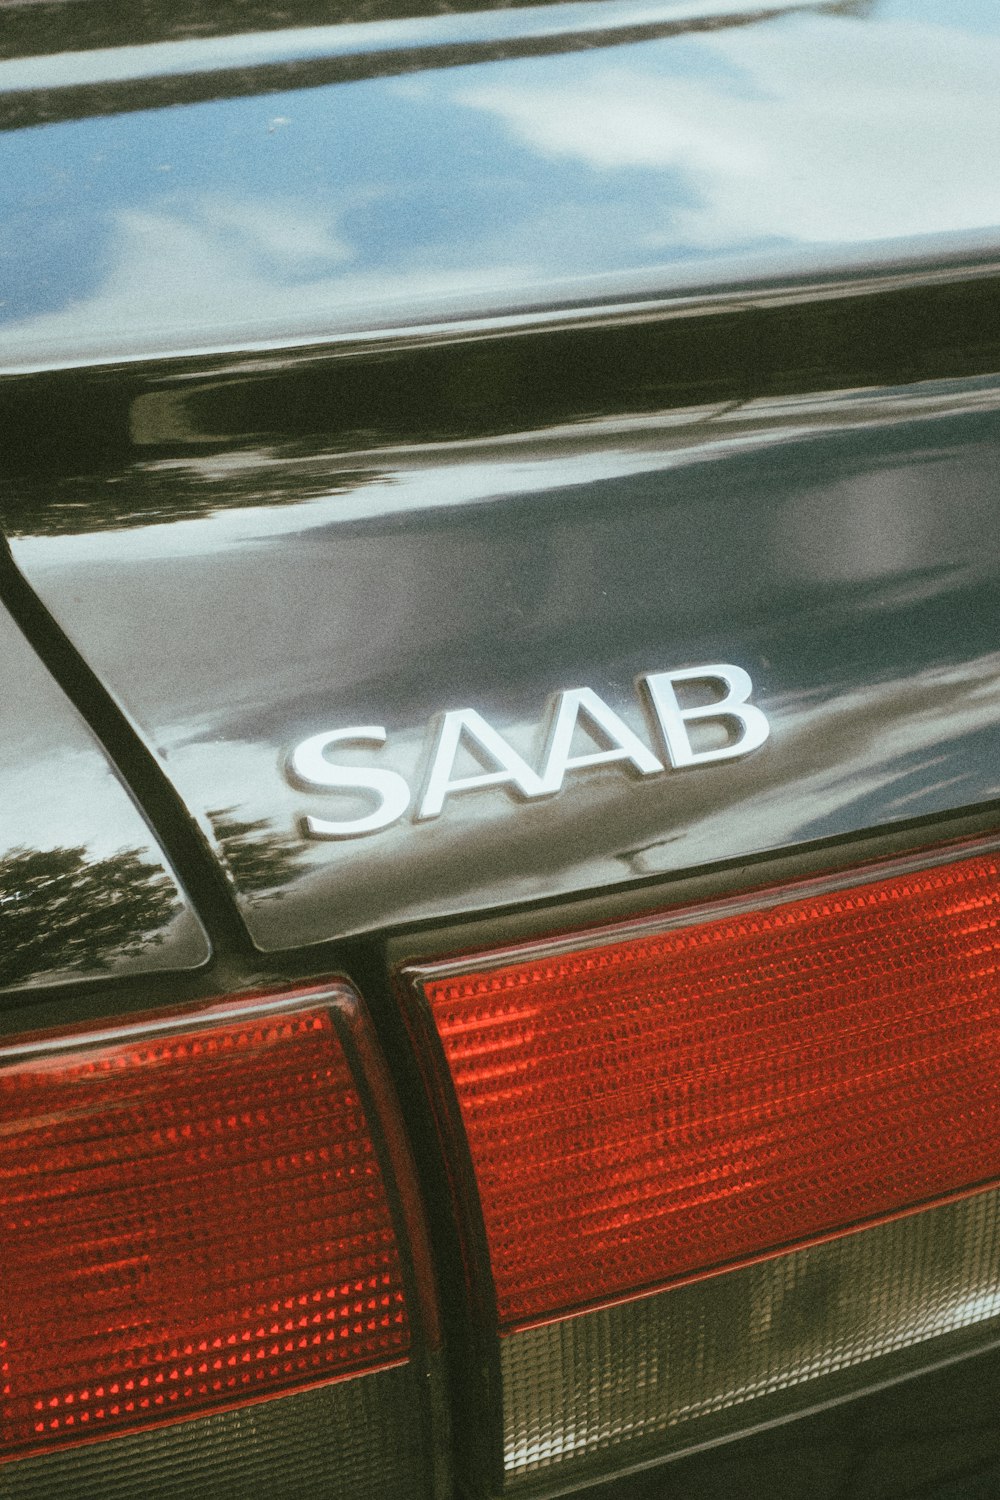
[147, 494]
[42, 26]
[62, 910]
[259, 857]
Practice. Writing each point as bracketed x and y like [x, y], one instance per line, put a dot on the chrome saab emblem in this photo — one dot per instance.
[310, 767]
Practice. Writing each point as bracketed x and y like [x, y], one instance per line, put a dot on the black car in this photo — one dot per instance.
[500, 749]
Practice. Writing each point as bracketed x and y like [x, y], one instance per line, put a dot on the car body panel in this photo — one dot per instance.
[85, 889]
[842, 551]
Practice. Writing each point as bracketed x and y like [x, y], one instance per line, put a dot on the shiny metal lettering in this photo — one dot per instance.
[308, 765]
[502, 765]
[511, 770]
[625, 744]
[733, 706]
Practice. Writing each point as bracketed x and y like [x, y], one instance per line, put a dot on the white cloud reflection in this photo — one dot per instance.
[584, 175]
[203, 271]
[826, 129]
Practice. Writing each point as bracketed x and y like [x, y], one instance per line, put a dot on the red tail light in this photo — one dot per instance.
[648, 1105]
[194, 1215]
[671, 1101]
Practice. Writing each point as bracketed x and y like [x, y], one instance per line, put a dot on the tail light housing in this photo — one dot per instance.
[211, 1231]
[727, 1162]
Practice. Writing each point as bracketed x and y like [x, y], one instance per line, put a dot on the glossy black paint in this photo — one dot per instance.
[844, 550]
[935, 1439]
[85, 890]
[100, 465]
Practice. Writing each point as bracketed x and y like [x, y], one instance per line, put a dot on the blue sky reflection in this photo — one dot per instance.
[317, 210]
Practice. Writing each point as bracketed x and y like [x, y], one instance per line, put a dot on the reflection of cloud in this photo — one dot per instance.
[284, 232]
[825, 129]
[200, 271]
[622, 119]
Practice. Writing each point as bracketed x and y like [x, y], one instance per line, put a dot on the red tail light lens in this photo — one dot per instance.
[696, 1144]
[194, 1215]
[665, 1101]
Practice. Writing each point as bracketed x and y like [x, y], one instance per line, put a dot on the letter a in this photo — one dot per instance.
[624, 743]
[511, 768]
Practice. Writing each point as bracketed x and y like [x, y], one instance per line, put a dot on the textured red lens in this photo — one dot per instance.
[657, 1105]
[190, 1218]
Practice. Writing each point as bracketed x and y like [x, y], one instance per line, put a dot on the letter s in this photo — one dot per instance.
[310, 767]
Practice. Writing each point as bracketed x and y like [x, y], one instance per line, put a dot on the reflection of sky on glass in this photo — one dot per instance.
[979, 16]
[324, 207]
[810, 136]
[288, 191]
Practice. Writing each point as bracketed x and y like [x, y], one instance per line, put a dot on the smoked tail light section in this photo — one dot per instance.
[215, 1277]
[726, 1163]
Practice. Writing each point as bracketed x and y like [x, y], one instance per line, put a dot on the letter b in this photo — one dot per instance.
[732, 707]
